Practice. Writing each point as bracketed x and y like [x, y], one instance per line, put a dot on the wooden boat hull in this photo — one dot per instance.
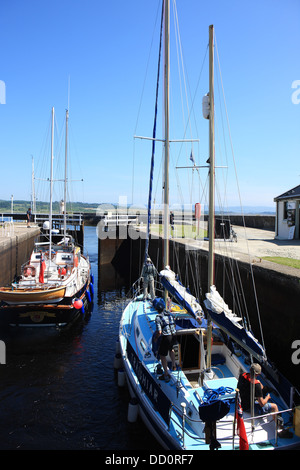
[31, 296]
[57, 315]
[58, 305]
[39, 316]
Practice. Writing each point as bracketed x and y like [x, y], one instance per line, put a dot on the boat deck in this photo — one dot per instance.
[261, 435]
[186, 386]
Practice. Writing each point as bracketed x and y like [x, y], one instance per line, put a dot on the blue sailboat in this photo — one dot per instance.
[199, 407]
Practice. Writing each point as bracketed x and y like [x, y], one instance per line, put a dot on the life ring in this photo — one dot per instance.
[29, 271]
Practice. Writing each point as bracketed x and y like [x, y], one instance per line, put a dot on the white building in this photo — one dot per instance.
[287, 214]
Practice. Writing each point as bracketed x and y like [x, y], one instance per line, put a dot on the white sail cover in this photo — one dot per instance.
[229, 322]
[215, 302]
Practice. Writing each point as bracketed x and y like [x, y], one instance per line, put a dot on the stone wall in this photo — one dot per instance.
[14, 251]
[264, 222]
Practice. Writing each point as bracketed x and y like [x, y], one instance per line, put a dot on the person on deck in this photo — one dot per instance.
[172, 223]
[148, 275]
[244, 386]
[29, 217]
[165, 328]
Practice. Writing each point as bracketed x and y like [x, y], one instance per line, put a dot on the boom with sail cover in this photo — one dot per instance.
[229, 323]
[181, 294]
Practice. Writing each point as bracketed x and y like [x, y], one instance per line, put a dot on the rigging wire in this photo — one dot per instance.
[181, 72]
[187, 122]
[42, 167]
[141, 100]
[190, 110]
[239, 195]
[153, 143]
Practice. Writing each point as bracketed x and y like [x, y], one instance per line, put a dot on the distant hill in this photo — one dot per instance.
[43, 207]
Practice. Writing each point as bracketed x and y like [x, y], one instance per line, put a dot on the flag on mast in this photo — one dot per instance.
[192, 157]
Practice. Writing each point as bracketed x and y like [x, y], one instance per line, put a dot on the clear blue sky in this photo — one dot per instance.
[103, 46]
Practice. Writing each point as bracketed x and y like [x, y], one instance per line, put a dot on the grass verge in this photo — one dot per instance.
[293, 263]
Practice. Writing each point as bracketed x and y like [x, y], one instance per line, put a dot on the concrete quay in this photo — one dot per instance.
[16, 245]
[252, 245]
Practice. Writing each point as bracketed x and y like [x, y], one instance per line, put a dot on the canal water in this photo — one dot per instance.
[59, 391]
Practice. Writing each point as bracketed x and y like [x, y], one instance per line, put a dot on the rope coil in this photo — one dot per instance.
[211, 394]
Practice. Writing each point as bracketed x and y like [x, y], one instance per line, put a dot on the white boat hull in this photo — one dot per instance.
[154, 395]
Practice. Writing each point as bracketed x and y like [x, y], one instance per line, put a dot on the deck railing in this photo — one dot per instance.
[182, 414]
[72, 218]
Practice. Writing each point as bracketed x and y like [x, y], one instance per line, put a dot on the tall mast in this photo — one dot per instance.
[32, 186]
[211, 160]
[51, 185]
[66, 175]
[211, 270]
[167, 143]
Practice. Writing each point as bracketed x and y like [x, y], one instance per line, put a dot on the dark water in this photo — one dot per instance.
[59, 391]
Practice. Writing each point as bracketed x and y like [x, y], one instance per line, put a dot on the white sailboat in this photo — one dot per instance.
[55, 287]
[198, 408]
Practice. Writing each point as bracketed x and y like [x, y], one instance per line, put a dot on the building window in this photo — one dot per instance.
[285, 209]
[289, 213]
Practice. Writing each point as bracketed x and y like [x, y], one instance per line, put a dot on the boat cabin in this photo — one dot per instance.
[191, 353]
[63, 260]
